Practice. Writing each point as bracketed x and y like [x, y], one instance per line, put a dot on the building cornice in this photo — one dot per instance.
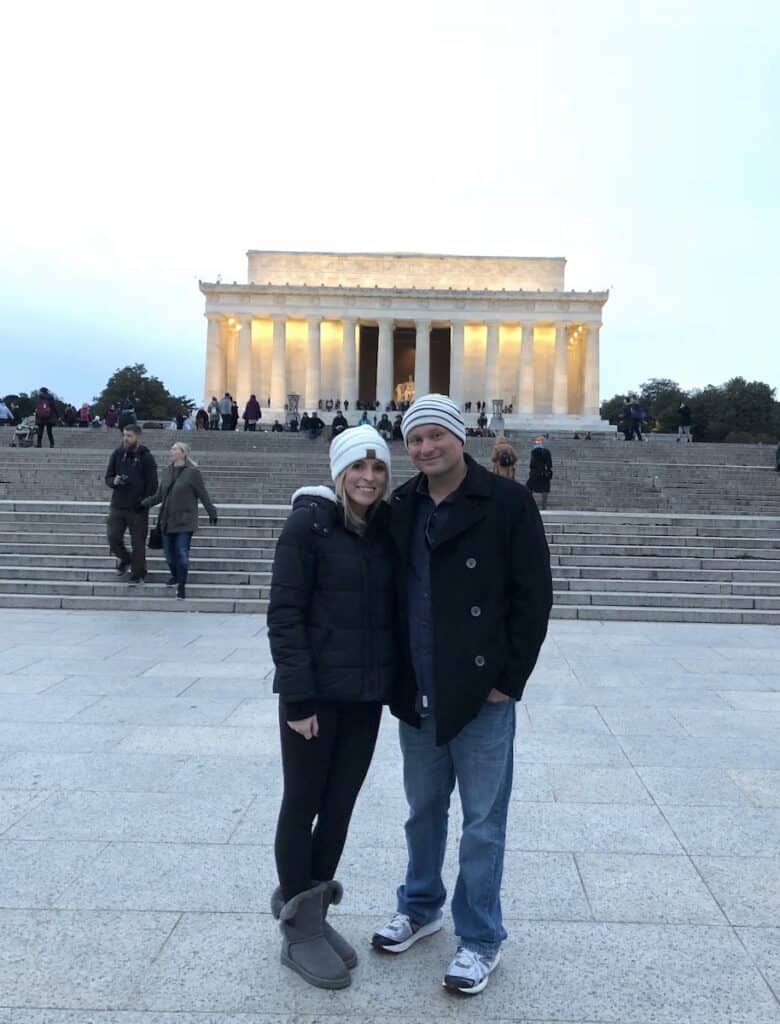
[294, 301]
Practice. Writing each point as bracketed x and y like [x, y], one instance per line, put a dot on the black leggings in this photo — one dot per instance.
[322, 779]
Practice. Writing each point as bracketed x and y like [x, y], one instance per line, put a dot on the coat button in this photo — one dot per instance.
[479, 661]
[476, 611]
[471, 563]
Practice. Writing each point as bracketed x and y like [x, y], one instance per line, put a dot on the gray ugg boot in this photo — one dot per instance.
[304, 946]
[333, 895]
[337, 941]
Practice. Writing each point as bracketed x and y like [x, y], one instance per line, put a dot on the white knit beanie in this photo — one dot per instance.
[354, 444]
[438, 409]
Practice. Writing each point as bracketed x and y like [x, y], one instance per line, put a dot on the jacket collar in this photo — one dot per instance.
[469, 507]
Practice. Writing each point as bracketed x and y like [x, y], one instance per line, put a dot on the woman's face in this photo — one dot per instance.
[176, 455]
[365, 482]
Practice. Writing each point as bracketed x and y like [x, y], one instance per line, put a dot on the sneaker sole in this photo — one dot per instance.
[452, 986]
[401, 947]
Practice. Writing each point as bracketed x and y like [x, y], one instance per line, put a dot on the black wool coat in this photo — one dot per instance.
[332, 606]
[491, 595]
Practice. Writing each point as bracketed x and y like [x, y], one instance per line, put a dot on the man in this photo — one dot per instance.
[46, 415]
[339, 423]
[684, 428]
[226, 411]
[475, 593]
[385, 427]
[132, 476]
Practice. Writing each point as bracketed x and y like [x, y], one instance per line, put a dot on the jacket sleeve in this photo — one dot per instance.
[203, 495]
[531, 595]
[151, 482]
[153, 499]
[111, 470]
[292, 582]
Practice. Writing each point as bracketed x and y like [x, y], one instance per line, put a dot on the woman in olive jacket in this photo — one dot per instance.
[181, 487]
[331, 630]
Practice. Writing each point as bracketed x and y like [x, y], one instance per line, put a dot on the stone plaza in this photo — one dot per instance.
[139, 785]
[384, 327]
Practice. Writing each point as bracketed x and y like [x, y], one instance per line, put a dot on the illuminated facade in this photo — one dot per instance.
[385, 326]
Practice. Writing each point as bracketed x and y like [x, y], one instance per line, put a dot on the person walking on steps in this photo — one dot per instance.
[132, 476]
[503, 458]
[540, 472]
[330, 626]
[474, 592]
[46, 415]
[179, 491]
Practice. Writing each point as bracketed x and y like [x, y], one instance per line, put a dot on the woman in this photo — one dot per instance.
[330, 625]
[179, 490]
[252, 413]
[540, 472]
[503, 458]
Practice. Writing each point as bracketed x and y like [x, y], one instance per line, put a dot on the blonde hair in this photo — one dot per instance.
[503, 466]
[185, 450]
[351, 516]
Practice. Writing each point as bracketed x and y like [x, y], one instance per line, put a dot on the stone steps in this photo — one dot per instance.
[628, 566]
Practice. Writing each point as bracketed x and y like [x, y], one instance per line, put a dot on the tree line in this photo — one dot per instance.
[738, 411]
[150, 397]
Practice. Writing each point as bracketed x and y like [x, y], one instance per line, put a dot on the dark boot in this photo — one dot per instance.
[337, 941]
[304, 946]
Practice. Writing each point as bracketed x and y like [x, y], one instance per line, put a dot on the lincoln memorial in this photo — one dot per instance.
[388, 326]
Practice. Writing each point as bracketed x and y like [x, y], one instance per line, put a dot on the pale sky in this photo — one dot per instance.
[147, 145]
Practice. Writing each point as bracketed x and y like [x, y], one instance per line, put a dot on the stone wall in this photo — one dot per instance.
[396, 270]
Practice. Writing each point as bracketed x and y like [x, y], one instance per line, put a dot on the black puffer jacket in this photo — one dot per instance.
[331, 612]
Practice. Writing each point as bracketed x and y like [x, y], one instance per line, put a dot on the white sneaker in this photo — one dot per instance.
[469, 971]
[401, 932]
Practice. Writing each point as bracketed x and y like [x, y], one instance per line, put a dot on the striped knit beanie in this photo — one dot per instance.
[438, 409]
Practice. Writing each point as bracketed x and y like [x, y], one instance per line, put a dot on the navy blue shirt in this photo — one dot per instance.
[429, 520]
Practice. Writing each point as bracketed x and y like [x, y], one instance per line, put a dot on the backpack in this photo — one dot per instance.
[42, 409]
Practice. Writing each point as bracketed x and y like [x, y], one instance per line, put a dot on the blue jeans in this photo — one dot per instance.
[479, 759]
[177, 554]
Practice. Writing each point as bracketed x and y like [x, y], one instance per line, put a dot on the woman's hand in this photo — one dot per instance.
[306, 727]
[496, 696]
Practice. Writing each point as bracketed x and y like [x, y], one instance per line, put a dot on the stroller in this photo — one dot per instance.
[24, 434]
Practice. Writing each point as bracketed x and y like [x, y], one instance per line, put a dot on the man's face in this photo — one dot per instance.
[434, 450]
[130, 439]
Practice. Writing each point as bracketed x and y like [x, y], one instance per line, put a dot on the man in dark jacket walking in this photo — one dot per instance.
[132, 476]
[475, 593]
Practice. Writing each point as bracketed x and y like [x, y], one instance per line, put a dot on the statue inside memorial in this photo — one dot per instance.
[404, 392]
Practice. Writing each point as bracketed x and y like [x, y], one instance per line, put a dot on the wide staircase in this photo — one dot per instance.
[696, 536]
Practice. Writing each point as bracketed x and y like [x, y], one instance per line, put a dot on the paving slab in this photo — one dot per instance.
[574, 971]
[136, 859]
[159, 817]
[747, 888]
[57, 958]
[638, 888]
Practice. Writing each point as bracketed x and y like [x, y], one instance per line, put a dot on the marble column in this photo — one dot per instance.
[457, 333]
[313, 366]
[526, 385]
[422, 358]
[349, 362]
[560, 399]
[591, 382]
[215, 362]
[279, 365]
[491, 364]
[385, 364]
[244, 362]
